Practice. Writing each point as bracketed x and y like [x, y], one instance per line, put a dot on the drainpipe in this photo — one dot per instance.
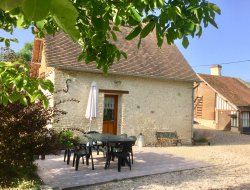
[192, 121]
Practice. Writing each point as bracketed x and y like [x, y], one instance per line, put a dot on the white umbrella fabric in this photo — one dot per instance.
[91, 111]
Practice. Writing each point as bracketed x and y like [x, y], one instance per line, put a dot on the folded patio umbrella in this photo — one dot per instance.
[91, 111]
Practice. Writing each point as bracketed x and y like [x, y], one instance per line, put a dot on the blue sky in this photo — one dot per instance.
[229, 43]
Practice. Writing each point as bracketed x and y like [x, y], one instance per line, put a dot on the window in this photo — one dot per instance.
[234, 119]
[245, 119]
[108, 114]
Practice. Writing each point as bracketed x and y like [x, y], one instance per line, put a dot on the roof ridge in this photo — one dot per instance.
[217, 76]
[233, 89]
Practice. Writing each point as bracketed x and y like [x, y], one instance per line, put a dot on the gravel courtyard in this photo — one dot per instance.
[229, 155]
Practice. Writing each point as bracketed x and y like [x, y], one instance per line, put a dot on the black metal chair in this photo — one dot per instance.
[69, 150]
[98, 146]
[134, 138]
[81, 151]
[122, 152]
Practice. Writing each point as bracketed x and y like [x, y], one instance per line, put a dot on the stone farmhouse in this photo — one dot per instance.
[151, 90]
[222, 102]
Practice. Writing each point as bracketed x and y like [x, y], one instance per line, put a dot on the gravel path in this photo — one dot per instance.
[229, 155]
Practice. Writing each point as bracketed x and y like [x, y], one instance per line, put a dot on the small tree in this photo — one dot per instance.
[7, 55]
[25, 53]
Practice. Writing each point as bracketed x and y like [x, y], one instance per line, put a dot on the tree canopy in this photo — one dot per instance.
[95, 23]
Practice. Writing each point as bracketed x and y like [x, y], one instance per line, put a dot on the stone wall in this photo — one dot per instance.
[151, 104]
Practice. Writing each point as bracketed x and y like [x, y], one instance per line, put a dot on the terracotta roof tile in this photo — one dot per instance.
[148, 61]
[232, 89]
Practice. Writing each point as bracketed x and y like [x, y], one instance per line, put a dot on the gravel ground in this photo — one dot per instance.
[229, 156]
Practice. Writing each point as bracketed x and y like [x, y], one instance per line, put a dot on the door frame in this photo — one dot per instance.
[114, 131]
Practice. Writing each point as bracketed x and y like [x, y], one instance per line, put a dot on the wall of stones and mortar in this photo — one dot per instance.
[151, 105]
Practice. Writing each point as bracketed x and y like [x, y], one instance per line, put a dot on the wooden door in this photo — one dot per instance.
[110, 114]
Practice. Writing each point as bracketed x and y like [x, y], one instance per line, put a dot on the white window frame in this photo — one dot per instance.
[245, 119]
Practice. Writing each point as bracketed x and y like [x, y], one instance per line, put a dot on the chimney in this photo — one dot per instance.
[36, 57]
[216, 70]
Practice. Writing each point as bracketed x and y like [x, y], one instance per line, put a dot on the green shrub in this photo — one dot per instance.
[198, 138]
[202, 140]
[67, 139]
[23, 134]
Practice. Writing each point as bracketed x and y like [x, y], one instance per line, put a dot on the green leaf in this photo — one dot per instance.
[135, 32]
[178, 12]
[159, 35]
[5, 100]
[114, 35]
[20, 22]
[124, 54]
[213, 23]
[36, 10]
[117, 20]
[116, 28]
[99, 24]
[23, 100]
[10, 4]
[14, 97]
[118, 55]
[97, 39]
[40, 24]
[185, 42]
[47, 85]
[190, 26]
[7, 42]
[147, 29]
[81, 57]
[35, 96]
[135, 14]
[14, 40]
[160, 3]
[214, 7]
[199, 30]
[65, 15]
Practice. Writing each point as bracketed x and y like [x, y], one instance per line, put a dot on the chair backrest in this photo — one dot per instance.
[124, 135]
[125, 147]
[134, 139]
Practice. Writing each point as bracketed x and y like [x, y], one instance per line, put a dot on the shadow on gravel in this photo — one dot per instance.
[244, 186]
[216, 137]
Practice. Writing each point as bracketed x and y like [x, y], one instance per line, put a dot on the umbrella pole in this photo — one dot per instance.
[90, 124]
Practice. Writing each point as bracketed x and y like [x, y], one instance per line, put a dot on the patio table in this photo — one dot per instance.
[110, 141]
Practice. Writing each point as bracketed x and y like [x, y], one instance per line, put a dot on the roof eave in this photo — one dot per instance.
[125, 74]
